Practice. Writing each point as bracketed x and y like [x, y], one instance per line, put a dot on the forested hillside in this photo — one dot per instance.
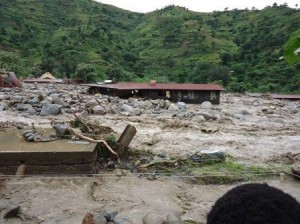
[249, 50]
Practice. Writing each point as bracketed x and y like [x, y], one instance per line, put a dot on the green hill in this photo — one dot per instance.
[291, 46]
[81, 38]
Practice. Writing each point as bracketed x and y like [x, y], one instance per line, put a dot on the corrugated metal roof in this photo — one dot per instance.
[291, 97]
[157, 86]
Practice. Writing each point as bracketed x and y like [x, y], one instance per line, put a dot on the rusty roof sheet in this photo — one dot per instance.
[157, 86]
[290, 97]
[43, 80]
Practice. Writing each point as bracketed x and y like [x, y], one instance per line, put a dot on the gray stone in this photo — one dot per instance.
[167, 104]
[99, 219]
[17, 98]
[31, 111]
[173, 107]
[128, 109]
[173, 218]
[23, 107]
[53, 95]
[61, 129]
[84, 113]
[152, 218]
[91, 104]
[206, 105]
[33, 101]
[58, 100]
[2, 107]
[198, 119]
[244, 112]
[50, 109]
[145, 105]
[155, 102]
[207, 116]
[181, 105]
[99, 110]
[184, 115]
[161, 103]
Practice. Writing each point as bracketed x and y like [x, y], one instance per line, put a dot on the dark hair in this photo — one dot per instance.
[255, 204]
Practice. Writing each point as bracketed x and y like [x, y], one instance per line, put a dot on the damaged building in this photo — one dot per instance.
[188, 93]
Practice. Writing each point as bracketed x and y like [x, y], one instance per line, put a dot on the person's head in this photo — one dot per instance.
[255, 204]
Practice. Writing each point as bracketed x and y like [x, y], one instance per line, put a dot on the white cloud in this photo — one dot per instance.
[195, 5]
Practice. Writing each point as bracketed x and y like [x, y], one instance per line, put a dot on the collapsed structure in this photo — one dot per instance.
[188, 93]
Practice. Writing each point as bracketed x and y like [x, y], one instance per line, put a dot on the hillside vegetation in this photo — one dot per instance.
[241, 49]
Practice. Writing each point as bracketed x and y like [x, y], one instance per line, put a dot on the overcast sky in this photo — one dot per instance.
[195, 5]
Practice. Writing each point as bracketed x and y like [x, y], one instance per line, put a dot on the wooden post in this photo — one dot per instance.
[127, 135]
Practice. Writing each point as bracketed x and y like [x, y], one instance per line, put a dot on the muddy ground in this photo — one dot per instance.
[252, 130]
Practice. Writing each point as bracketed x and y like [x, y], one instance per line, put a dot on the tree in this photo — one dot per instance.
[86, 72]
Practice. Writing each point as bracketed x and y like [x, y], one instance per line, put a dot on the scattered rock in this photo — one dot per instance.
[152, 218]
[99, 110]
[58, 100]
[173, 107]
[91, 104]
[244, 112]
[130, 110]
[50, 109]
[206, 105]
[12, 212]
[61, 129]
[181, 105]
[167, 104]
[207, 116]
[173, 218]
[198, 119]
[99, 219]
[34, 101]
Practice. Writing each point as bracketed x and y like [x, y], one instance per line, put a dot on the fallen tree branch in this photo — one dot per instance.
[77, 133]
[83, 122]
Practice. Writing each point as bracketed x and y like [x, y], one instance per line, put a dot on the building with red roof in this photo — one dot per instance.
[175, 92]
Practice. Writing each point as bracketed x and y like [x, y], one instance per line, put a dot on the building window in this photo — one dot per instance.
[213, 95]
[168, 94]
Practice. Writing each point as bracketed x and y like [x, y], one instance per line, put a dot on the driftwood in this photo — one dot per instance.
[77, 132]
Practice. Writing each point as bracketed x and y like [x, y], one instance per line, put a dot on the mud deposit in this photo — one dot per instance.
[252, 131]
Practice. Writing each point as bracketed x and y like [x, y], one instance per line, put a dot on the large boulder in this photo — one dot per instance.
[167, 104]
[99, 110]
[59, 101]
[181, 105]
[50, 109]
[207, 116]
[173, 107]
[206, 105]
[152, 218]
[198, 119]
[91, 104]
[33, 101]
[173, 218]
[130, 110]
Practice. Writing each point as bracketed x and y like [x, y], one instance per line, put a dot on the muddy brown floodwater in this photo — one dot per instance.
[251, 130]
